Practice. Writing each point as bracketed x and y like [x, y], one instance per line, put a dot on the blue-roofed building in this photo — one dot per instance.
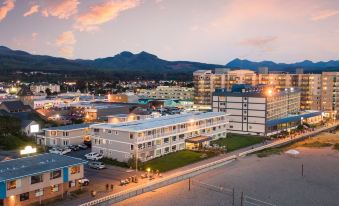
[39, 178]
[262, 110]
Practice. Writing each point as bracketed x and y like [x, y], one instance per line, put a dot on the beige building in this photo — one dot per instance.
[38, 179]
[317, 91]
[330, 93]
[168, 92]
[65, 135]
[151, 138]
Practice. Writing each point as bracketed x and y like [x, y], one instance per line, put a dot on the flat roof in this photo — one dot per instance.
[69, 127]
[163, 121]
[293, 118]
[37, 164]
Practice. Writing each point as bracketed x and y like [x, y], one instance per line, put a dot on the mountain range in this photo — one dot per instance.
[143, 63]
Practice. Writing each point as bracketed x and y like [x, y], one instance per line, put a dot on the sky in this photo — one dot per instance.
[213, 31]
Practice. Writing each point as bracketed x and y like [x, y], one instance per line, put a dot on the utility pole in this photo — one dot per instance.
[241, 198]
[302, 170]
[189, 184]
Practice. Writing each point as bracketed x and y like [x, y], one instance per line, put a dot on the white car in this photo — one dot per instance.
[54, 151]
[84, 181]
[93, 156]
[65, 150]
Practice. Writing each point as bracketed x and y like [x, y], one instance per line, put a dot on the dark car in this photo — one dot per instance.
[74, 147]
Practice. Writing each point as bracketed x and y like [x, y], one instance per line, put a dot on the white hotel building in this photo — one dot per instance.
[152, 138]
[262, 110]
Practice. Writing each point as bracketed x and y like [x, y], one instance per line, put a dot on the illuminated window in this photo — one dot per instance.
[55, 188]
[39, 192]
[11, 184]
[75, 169]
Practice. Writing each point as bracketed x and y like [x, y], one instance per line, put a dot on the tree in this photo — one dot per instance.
[131, 163]
[48, 92]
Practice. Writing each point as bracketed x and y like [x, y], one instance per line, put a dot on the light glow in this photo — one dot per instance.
[28, 150]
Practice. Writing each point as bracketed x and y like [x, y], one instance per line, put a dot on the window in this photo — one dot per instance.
[55, 174]
[132, 147]
[36, 179]
[65, 133]
[72, 183]
[109, 131]
[39, 192]
[174, 138]
[75, 169]
[181, 136]
[13, 184]
[130, 136]
[166, 140]
[231, 126]
[24, 196]
[55, 188]
[116, 132]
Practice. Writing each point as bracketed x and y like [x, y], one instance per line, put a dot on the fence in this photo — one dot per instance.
[248, 200]
[287, 141]
[114, 198]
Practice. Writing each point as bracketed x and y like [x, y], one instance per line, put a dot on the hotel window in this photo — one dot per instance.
[166, 140]
[72, 183]
[130, 136]
[55, 188]
[55, 174]
[96, 130]
[75, 169]
[116, 133]
[36, 179]
[39, 192]
[24, 196]
[109, 131]
[13, 184]
[174, 138]
[181, 136]
[132, 147]
[65, 133]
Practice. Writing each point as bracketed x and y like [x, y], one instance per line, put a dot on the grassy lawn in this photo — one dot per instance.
[238, 141]
[176, 160]
[13, 142]
[114, 162]
[270, 151]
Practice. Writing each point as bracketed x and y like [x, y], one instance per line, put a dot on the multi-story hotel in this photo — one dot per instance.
[65, 135]
[330, 93]
[38, 179]
[261, 110]
[317, 91]
[168, 92]
[152, 138]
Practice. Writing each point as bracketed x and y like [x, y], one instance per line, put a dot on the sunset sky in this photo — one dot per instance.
[213, 31]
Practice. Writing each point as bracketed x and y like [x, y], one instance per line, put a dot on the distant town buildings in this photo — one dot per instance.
[152, 138]
[41, 88]
[168, 92]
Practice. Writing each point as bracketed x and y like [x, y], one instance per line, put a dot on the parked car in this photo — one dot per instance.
[82, 146]
[93, 156]
[65, 150]
[84, 181]
[74, 147]
[54, 151]
[97, 165]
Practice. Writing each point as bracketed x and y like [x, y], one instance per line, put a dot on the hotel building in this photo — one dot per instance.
[65, 135]
[152, 138]
[261, 110]
[330, 94]
[38, 179]
[41, 88]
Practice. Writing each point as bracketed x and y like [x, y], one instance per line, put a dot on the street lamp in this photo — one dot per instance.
[28, 150]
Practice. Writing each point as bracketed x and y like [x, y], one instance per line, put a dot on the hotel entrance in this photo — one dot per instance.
[197, 143]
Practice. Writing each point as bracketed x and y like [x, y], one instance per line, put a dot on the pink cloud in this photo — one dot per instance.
[67, 51]
[102, 13]
[259, 41]
[63, 9]
[66, 38]
[322, 15]
[34, 9]
[65, 41]
[6, 7]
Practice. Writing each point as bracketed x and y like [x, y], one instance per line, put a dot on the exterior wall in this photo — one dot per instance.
[153, 142]
[42, 88]
[13, 195]
[247, 114]
[65, 137]
[330, 93]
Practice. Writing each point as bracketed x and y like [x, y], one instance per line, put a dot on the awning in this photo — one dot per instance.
[198, 139]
